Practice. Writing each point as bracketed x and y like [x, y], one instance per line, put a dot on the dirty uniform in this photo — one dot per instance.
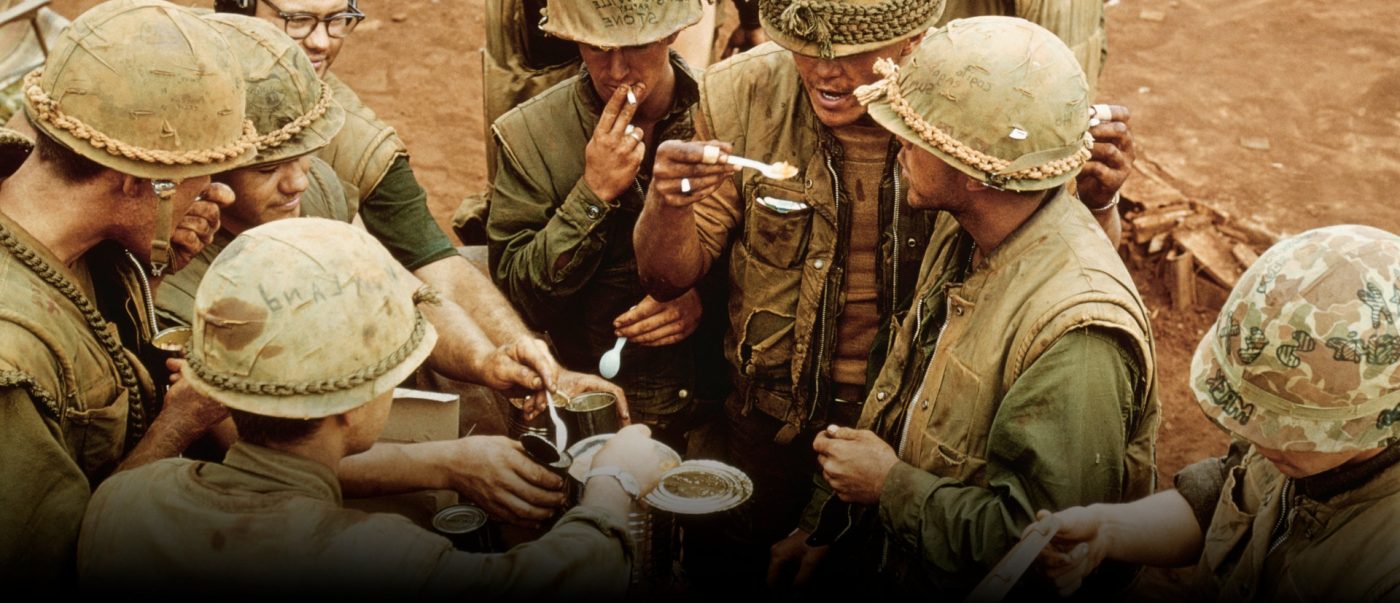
[73, 396]
[1026, 382]
[787, 270]
[20, 53]
[1325, 537]
[1078, 23]
[269, 521]
[324, 198]
[564, 257]
[372, 163]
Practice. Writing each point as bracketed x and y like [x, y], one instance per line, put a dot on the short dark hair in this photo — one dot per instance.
[263, 430]
[72, 167]
[240, 7]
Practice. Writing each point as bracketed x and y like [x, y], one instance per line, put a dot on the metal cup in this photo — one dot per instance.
[171, 342]
[591, 414]
[517, 425]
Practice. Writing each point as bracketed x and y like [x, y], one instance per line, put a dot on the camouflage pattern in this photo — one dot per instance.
[292, 109]
[1305, 355]
[838, 28]
[618, 23]
[970, 85]
[332, 328]
[172, 86]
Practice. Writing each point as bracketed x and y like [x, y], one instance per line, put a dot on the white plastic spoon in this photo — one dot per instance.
[561, 434]
[611, 361]
[781, 170]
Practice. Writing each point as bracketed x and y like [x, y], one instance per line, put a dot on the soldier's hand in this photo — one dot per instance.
[854, 462]
[680, 176]
[576, 384]
[193, 412]
[524, 363]
[1112, 160]
[633, 451]
[789, 552]
[1078, 548]
[495, 473]
[654, 323]
[195, 230]
[615, 152]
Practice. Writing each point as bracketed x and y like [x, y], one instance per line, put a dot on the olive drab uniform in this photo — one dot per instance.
[564, 257]
[786, 269]
[1078, 23]
[20, 52]
[952, 399]
[364, 149]
[73, 396]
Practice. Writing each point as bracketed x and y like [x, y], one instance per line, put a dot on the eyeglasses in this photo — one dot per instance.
[300, 25]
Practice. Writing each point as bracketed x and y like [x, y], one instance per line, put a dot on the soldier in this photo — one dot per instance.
[138, 104]
[296, 115]
[1024, 376]
[309, 383]
[1301, 370]
[22, 50]
[574, 166]
[373, 166]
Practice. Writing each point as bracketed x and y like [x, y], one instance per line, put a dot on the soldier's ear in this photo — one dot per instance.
[133, 187]
[910, 46]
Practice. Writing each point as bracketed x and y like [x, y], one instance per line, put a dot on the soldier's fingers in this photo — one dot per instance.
[699, 186]
[608, 119]
[656, 334]
[219, 194]
[624, 115]
[688, 152]
[662, 315]
[1109, 155]
[644, 309]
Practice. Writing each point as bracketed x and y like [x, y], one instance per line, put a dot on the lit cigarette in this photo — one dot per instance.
[631, 98]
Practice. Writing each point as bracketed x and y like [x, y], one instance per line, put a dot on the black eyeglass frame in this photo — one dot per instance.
[353, 14]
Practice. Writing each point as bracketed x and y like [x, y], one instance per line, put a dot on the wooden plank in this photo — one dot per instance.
[1154, 222]
[1244, 255]
[1212, 251]
[1182, 283]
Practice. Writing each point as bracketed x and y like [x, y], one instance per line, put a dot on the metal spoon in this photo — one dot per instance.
[611, 361]
[781, 170]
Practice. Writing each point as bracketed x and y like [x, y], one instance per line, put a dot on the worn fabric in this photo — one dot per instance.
[1021, 383]
[866, 150]
[787, 270]
[73, 395]
[1271, 537]
[373, 166]
[563, 256]
[786, 273]
[324, 198]
[268, 521]
[1079, 23]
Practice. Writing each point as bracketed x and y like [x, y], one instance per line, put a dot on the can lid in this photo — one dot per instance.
[459, 519]
[700, 487]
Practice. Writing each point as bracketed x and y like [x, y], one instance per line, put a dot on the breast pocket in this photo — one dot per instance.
[777, 224]
[97, 436]
[947, 440]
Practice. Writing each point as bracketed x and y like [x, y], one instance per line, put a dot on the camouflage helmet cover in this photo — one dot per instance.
[145, 88]
[331, 328]
[1305, 355]
[1000, 99]
[618, 23]
[836, 28]
[292, 109]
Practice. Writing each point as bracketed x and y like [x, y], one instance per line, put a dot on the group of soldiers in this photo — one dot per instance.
[918, 342]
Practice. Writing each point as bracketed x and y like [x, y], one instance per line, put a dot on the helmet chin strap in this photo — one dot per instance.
[160, 246]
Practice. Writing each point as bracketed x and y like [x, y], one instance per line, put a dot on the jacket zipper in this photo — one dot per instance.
[1285, 517]
[146, 296]
[825, 310]
[894, 283]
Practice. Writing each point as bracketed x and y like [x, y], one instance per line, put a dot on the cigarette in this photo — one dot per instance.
[631, 98]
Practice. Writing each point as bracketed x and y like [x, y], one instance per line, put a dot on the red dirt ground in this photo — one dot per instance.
[1318, 81]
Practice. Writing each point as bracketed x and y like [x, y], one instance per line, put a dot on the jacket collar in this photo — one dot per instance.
[253, 468]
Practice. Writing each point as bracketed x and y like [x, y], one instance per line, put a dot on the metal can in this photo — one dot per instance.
[466, 526]
[591, 414]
